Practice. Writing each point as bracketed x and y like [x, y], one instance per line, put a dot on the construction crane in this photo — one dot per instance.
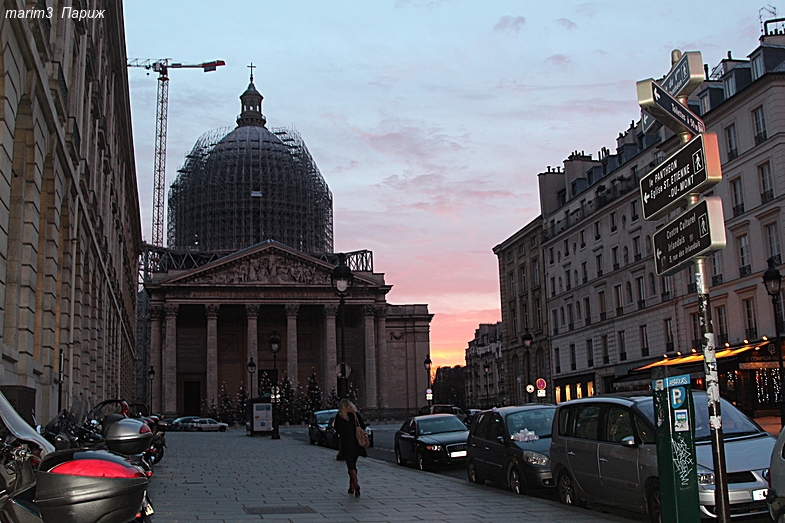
[159, 168]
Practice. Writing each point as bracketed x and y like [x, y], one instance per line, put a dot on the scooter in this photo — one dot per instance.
[38, 483]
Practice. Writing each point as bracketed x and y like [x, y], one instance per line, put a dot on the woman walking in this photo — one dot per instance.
[345, 425]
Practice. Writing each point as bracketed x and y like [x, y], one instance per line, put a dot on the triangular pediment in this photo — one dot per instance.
[269, 263]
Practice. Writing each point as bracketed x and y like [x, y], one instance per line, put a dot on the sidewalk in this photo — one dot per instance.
[230, 477]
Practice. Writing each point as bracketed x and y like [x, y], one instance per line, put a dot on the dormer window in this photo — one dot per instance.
[757, 67]
[730, 86]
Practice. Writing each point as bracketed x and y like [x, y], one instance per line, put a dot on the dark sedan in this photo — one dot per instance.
[318, 426]
[436, 439]
[511, 445]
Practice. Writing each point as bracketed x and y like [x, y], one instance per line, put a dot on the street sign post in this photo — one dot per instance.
[685, 76]
[696, 232]
[656, 101]
[690, 171]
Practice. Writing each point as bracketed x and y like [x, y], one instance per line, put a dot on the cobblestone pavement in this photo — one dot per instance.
[230, 477]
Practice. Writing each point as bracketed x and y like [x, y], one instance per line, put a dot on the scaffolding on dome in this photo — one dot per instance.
[248, 193]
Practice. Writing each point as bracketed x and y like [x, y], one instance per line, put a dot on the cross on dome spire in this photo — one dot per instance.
[251, 103]
[252, 67]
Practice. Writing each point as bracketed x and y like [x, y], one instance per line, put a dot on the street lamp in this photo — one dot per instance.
[427, 364]
[487, 394]
[251, 370]
[275, 346]
[773, 281]
[341, 279]
[527, 339]
[150, 376]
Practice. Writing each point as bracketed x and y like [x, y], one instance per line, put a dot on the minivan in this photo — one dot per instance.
[603, 449]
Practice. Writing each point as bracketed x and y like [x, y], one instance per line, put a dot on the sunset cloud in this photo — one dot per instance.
[510, 24]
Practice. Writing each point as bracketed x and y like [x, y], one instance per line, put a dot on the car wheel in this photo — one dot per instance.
[222, 429]
[421, 460]
[514, 481]
[311, 440]
[567, 493]
[199, 429]
[398, 458]
[471, 471]
[654, 504]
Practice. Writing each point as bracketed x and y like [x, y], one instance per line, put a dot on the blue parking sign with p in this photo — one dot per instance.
[678, 395]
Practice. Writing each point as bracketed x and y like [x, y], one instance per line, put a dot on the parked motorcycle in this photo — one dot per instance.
[155, 452]
[39, 483]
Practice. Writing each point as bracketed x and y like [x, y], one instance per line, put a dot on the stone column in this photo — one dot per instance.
[329, 379]
[212, 352]
[384, 360]
[371, 399]
[170, 363]
[291, 343]
[252, 334]
[156, 357]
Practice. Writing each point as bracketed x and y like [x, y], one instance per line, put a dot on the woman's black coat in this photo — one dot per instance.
[347, 435]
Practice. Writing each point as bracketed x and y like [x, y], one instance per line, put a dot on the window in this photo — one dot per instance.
[511, 278]
[643, 333]
[523, 278]
[716, 268]
[597, 235]
[586, 311]
[750, 322]
[573, 362]
[556, 360]
[567, 279]
[618, 300]
[613, 221]
[525, 314]
[550, 255]
[536, 272]
[628, 286]
[640, 289]
[634, 209]
[622, 346]
[598, 264]
[732, 142]
[743, 244]
[566, 248]
[759, 121]
[601, 304]
[636, 247]
[772, 234]
[618, 424]
[555, 316]
[652, 284]
[590, 353]
[514, 318]
[667, 287]
[722, 325]
[730, 86]
[766, 184]
[757, 67]
[668, 327]
[705, 104]
[738, 196]
[583, 238]
[696, 330]
[606, 356]
[553, 286]
[615, 257]
[537, 314]
[584, 272]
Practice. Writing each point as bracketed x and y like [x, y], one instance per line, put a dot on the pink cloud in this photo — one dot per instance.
[340, 168]
[567, 23]
[559, 59]
[511, 24]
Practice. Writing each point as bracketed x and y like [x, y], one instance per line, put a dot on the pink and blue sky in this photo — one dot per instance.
[429, 120]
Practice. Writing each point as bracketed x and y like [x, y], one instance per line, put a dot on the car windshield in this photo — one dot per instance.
[324, 417]
[440, 425]
[734, 422]
[538, 421]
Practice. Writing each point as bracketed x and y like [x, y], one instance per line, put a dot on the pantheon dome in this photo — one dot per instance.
[240, 187]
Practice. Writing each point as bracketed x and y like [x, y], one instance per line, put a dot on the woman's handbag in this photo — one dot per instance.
[362, 437]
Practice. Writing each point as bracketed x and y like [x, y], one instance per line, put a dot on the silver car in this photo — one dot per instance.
[603, 449]
[776, 496]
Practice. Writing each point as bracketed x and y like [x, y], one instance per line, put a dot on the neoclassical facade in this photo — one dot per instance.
[70, 232]
[208, 322]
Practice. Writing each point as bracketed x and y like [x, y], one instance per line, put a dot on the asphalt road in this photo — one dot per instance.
[383, 449]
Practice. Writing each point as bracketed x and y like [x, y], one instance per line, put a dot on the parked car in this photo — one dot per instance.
[317, 425]
[444, 408]
[206, 425]
[605, 445]
[331, 436]
[181, 424]
[470, 416]
[511, 445]
[775, 498]
[433, 439]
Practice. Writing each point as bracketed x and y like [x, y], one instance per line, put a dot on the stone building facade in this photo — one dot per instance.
[70, 228]
[610, 315]
[485, 375]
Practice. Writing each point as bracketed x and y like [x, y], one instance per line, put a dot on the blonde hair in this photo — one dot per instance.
[345, 407]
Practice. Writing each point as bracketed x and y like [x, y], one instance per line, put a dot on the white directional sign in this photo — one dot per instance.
[690, 170]
[698, 231]
[685, 76]
[656, 101]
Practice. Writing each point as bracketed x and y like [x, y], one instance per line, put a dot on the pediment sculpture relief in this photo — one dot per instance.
[268, 269]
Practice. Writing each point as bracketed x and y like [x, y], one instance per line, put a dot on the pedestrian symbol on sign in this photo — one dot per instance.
[703, 224]
[697, 161]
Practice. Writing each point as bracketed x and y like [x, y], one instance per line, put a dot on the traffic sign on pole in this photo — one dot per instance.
[656, 101]
[649, 123]
[685, 76]
[696, 232]
[689, 171]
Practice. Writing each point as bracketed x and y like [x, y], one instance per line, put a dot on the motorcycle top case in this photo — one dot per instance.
[127, 436]
[77, 486]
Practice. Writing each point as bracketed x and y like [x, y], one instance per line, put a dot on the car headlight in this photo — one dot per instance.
[434, 448]
[535, 458]
[705, 476]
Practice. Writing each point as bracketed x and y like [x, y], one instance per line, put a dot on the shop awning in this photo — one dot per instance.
[695, 357]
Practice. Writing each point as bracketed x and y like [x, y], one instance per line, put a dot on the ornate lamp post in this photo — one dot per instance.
[487, 394]
[427, 364]
[151, 376]
[773, 281]
[275, 346]
[341, 280]
[251, 370]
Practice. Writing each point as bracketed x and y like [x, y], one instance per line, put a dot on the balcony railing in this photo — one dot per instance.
[666, 295]
[745, 270]
[760, 137]
[616, 266]
[716, 279]
[669, 346]
[738, 209]
[603, 316]
[733, 154]
[641, 304]
[619, 311]
[722, 338]
[587, 320]
[752, 333]
[638, 257]
[599, 273]
[571, 326]
[767, 196]
[623, 356]
[692, 288]
[696, 344]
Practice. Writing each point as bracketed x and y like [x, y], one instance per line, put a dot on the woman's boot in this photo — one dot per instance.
[354, 486]
[351, 482]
